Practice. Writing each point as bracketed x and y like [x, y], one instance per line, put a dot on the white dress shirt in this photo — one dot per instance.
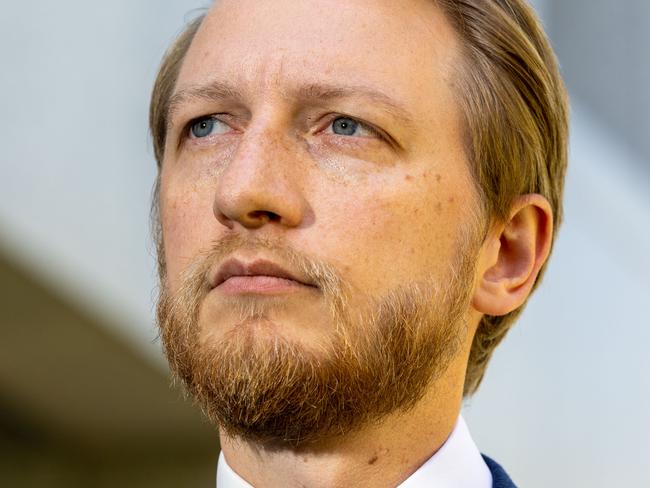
[457, 464]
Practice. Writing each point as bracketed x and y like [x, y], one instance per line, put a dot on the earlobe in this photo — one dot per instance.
[512, 255]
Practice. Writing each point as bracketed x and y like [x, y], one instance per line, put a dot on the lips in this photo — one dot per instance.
[234, 268]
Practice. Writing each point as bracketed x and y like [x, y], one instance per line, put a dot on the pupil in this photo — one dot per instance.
[344, 126]
[202, 128]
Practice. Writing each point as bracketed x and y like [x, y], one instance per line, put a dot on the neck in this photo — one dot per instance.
[384, 454]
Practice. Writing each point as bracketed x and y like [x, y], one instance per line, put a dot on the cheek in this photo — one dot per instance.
[392, 231]
[186, 219]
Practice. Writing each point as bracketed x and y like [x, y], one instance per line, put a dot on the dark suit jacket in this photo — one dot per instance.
[500, 478]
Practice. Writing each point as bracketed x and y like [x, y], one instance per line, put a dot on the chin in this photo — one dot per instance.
[263, 335]
[262, 318]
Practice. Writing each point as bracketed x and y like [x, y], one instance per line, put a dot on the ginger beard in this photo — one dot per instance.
[375, 360]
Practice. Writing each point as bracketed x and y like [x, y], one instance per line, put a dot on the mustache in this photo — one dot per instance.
[195, 279]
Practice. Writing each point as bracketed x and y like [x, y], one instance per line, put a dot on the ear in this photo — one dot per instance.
[512, 255]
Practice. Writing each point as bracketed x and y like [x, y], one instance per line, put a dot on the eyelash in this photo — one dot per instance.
[379, 134]
[370, 128]
[187, 131]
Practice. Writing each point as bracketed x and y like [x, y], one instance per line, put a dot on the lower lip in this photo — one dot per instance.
[262, 285]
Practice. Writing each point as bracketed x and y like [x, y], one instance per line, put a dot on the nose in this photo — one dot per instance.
[261, 184]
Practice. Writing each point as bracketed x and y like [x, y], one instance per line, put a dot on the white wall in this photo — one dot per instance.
[75, 158]
[566, 399]
[603, 46]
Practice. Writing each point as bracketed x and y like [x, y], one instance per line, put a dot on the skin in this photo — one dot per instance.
[384, 210]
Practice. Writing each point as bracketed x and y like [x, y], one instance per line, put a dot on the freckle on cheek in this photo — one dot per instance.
[408, 178]
[438, 178]
[438, 206]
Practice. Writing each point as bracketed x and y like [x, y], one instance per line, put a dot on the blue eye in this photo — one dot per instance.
[207, 126]
[345, 126]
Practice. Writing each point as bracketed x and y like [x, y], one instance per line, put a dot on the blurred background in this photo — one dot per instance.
[84, 391]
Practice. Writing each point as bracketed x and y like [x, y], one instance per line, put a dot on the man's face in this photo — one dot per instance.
[335, 152]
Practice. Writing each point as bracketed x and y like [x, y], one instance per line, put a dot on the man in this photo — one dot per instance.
[355, 199]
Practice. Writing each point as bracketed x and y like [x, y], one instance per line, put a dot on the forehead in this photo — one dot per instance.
[406, 49]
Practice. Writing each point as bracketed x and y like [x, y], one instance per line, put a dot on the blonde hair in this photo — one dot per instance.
[516, 115]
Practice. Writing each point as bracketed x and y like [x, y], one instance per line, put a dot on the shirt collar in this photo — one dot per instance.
[457, 464]
[227, 478]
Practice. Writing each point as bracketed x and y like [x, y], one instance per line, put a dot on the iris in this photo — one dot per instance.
[345, 126]
[203, 127]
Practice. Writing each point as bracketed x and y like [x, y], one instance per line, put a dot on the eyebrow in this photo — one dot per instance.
[214, 91]
[218, 91]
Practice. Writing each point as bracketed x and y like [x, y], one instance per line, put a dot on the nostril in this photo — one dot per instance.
[265, 215]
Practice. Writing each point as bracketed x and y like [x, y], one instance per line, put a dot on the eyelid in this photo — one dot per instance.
[381, 134]
[187, 130]
[186, 133]
[366, 125]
